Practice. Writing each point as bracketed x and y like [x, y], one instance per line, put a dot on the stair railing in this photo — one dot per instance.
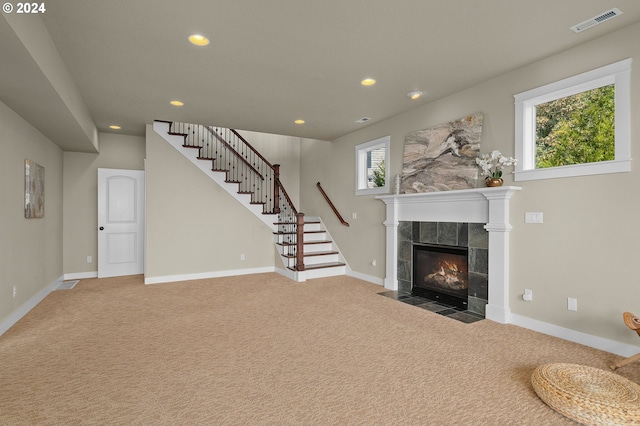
[326, 197]
[291, 230]
[229, 152]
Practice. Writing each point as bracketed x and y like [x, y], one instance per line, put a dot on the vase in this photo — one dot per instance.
[491, 181]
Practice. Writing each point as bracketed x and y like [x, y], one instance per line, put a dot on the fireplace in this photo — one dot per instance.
[485, 207]
[445, 244]
[441, 273]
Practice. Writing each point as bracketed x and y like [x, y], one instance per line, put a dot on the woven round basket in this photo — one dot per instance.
[588, 395]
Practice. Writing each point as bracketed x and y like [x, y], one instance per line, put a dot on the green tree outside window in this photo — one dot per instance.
[576, 129]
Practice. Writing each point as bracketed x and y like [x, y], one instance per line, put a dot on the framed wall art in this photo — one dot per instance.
[33, 190]
[443, 157]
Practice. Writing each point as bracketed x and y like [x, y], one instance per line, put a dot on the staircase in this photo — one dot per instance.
[304, 244]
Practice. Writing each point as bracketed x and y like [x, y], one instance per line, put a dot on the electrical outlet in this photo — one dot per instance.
[374, 262]
[528, 295]
[354, 215]
[572, 304]
[534, 217]
[89, 259]
[15, 291]
[242, 256]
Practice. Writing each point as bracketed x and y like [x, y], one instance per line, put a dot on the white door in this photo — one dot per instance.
[120, 222]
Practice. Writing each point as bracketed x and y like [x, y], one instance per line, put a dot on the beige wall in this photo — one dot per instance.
[81, 196]
[587, 247]
[193, 225]
[30, 249]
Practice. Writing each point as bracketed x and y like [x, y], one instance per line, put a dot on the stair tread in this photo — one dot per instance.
[306, 243]
[313, 222]
[321, 265]
[314, 253]
[294, 233]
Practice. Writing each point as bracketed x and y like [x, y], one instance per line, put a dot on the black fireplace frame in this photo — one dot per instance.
[449, 298]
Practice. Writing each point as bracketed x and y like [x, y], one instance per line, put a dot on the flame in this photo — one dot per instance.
[450, 266]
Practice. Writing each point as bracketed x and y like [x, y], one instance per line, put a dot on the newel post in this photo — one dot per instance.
[300, 242]
[276, 188]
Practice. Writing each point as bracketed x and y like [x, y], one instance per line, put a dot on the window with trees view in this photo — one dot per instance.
[574, 127]
[371, 172]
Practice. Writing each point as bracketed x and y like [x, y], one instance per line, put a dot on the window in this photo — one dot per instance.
[575, 127]
[371, 167]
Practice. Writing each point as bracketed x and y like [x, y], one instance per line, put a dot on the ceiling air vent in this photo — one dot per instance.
[605, 16]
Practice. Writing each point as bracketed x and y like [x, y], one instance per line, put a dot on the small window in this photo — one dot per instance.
[371, 167]
[575, 127]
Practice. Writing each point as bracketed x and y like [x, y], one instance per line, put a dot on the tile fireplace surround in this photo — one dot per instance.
[481, 205]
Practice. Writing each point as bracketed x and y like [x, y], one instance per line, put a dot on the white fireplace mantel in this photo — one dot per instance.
[481, 205]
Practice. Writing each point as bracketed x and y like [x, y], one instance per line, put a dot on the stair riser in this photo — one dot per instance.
[310, 227]
[326, 272]
[291, 264]
[308, 238]
[314, 260]
[308, 249]
[320, 236]
[312, 248]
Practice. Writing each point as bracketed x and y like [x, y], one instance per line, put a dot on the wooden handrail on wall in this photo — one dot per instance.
[326, 197]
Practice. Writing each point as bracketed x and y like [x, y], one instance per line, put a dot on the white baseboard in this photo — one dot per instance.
[24, 309]
[289, 274]
[81, 275]
[204, 275]
[618, 348]
[364, 277]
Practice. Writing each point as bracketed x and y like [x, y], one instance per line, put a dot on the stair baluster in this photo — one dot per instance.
[300, 239]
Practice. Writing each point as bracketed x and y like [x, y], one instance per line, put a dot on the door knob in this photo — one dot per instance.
[102, 228]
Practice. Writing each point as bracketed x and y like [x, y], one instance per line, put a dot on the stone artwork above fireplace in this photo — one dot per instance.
[484, 207]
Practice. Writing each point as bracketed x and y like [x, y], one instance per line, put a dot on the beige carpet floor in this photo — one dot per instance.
[263, 350]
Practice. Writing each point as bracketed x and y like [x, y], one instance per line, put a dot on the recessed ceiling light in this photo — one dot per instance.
[299, 121]
[363, 120]
[176, 103]
[414, 95]
[114, 127]
[368, 82]
[198, 40]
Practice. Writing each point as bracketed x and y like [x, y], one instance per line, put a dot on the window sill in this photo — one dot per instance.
[587, 169]
[373, 191]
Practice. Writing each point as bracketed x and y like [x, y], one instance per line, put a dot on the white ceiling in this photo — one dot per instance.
[271, 62]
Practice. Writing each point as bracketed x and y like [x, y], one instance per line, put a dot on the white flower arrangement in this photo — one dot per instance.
[493, 163]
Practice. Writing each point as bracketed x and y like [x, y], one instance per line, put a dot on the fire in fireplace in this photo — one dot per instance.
[441, 273]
